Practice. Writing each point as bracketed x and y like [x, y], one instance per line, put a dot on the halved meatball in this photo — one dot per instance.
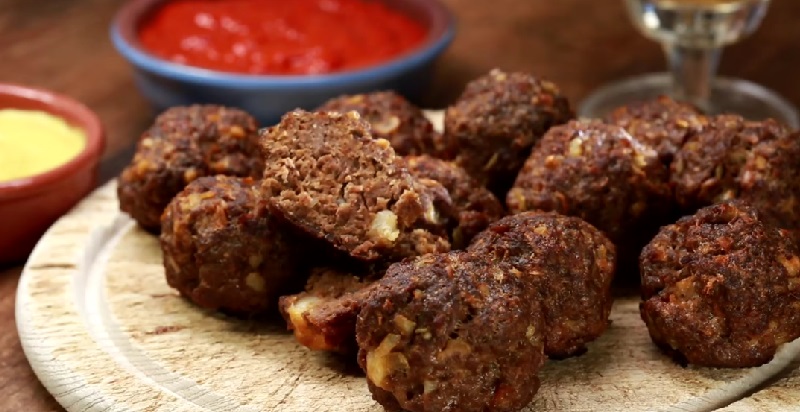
[328, 176]
[395, 119]
[323, 317]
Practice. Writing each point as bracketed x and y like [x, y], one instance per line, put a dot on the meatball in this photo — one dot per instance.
[662, 123]
[451, 332]
[183, 144]
[734, 158]
[326, 175]
[770, 181]
[475, 206]
[708, 168]
[323, 317]
[564, 260]
[497, 120]
[395, 119]
[599, 173]
[222, 249]
[721, 288]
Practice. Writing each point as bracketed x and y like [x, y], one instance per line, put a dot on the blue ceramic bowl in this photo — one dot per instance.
[268, 97]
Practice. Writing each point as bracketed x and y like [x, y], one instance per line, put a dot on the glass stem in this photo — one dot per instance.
[693, 71]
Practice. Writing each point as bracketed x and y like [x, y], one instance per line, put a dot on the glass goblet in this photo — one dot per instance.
[693, 34]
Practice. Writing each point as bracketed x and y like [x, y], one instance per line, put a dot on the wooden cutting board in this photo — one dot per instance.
[104, 332]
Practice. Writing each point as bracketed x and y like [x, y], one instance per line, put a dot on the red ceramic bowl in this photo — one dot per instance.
[28, 206]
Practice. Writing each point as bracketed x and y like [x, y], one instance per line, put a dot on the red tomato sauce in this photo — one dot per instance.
[279, 36]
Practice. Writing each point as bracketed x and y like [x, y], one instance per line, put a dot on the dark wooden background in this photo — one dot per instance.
[580, 44]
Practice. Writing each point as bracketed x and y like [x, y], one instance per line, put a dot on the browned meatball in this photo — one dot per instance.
[708, 168]
[599, 173]
[326, 175]
[183, 144]
[564, 260]
[734, 158]
[395, 119]
[222, 249]
[721, 288]
[663, 124]
[451, 332]
[497, 120]
[770, 181]
[323, 317]
[475, 206]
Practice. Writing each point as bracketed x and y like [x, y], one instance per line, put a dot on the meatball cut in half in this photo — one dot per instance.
[663, 124]
[721, 288]
[497, 120]
[222, 250]
[323, 317]
[183, 144]
[451, 332]
[395, 119]
[475, 207]
[567, 263]
[327, 175]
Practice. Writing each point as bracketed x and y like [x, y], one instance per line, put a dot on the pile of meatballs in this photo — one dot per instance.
[452, 264]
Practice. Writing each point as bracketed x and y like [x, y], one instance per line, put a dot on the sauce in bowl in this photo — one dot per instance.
[282, 37]
[33, 142]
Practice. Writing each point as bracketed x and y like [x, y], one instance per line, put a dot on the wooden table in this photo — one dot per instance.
[580, 44]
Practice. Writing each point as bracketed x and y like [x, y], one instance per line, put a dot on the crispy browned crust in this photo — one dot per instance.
[222, 249]
[567, 262]
[770, 181]
[323, 317]
[395, 119]
[326, 174]
[662, 123]
[475, 206]
[496, 122]
[185, 143]
[721, 288]
[451, 332]
[601, 174]
[734, 158]
[708, 168]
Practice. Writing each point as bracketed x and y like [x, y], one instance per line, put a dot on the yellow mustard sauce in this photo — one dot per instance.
[33, 142]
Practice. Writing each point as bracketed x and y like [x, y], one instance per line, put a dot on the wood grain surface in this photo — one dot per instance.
[63, 45]
[782, 394]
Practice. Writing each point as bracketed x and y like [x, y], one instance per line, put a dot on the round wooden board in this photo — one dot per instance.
[104, 332]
